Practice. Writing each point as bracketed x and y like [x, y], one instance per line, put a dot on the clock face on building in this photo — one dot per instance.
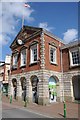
[19, 41]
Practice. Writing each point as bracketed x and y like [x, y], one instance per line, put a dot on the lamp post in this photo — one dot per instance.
[8, 81]
[2, 80]
[1, 86]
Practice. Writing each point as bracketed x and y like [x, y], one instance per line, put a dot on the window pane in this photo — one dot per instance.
[23, 57]
[53, 55]
[75, 57]
[15, 59]
[35, 57]
[34, 53]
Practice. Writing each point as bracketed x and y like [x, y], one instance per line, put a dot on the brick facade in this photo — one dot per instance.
[69, 72]
[43, 69]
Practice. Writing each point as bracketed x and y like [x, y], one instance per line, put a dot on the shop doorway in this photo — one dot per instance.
[14, 81]
[52, 89]
[35, 94]
[23, 86]
[76, 87]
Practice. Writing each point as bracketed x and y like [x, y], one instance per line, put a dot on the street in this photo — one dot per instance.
[11, 111]
[17, 110]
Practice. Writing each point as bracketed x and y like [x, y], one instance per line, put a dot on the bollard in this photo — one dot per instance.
[11, 99]
[0, 98]
[64, 109]
[26, 102]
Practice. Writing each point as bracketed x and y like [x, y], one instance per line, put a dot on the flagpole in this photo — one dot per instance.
[23, 19]
[26, 5]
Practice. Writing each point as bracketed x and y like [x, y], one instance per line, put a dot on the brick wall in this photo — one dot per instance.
[43, 48]
[50, 66]
[28, 67]
[66, 61]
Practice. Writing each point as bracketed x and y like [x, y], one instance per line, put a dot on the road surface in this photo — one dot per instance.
[11, 111]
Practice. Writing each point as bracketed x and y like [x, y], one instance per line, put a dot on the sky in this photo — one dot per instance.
[59, 18]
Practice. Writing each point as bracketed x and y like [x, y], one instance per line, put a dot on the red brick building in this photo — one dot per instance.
[36, 66]
[71, 70]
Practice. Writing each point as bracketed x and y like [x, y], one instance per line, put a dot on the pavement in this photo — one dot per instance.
[54, 110]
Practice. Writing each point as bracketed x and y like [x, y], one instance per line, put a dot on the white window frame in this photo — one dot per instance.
[53, 47]
[15, 55]
[31, 54]
[70, 56]
[21, 62]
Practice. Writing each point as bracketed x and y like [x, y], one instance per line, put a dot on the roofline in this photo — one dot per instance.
[22, 30]
[53, 36]
[41, 29]
[15, 37]
[71, 44]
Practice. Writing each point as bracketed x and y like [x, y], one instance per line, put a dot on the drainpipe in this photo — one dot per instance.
[64, 103]
[62, 76]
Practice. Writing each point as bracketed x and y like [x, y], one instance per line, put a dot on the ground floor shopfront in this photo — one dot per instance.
[43, 86]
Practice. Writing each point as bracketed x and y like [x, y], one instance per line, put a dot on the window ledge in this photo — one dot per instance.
[22, 66]
[74, 66]
[34, 63]
[54, 63]
[14, 67]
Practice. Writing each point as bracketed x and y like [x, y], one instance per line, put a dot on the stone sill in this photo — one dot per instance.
[35, 63]
[54, 64]
[75, 66]
[23, 66]
[14, 68]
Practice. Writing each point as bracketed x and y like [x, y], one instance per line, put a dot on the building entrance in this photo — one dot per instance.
[76, 87]
[34, 82]
[14, 81]
[52, 89]
[23, 85]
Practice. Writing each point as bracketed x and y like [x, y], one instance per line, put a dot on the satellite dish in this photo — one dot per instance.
[19, 41]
